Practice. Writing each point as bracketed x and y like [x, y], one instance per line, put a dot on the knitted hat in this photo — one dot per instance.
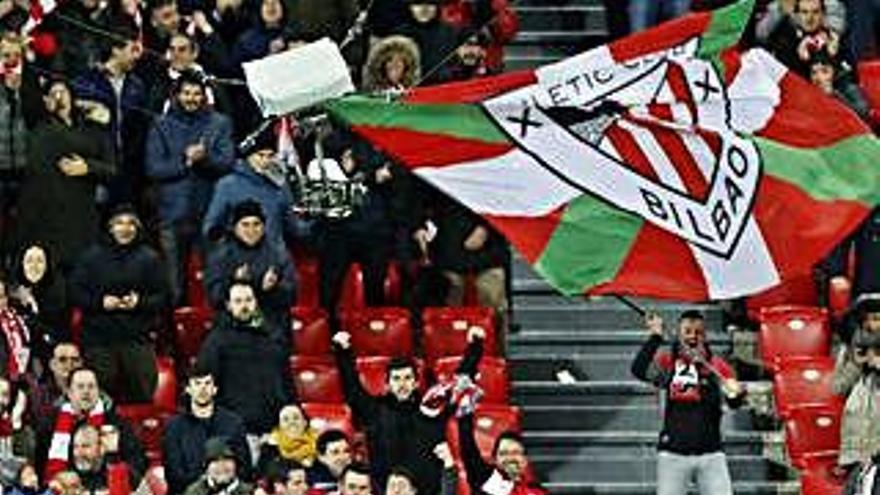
[247, 208]
[216, 448]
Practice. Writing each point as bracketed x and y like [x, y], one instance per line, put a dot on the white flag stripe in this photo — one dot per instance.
[666, 171]
[703, 155]
[512, 184]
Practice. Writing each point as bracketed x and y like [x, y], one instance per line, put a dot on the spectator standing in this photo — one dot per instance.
[40, 286]
[53, 386]
[805, 33]
[510, 473]
[114, 84]
[248, 364]
[690, 442]
[435, 38]
[188, 149]
[864, 244]
[495, 21]
[121, 287]
[258, 177]
[70, 154]
[399, 433]
[247, 256]
[644, 14]
[187, 432]
[95, 459]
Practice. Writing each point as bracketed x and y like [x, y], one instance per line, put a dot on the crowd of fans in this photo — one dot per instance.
[120, 125]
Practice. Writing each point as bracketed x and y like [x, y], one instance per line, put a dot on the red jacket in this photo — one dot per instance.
[460, 13]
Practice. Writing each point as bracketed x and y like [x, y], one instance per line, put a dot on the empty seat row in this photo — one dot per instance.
[385, 331]
[317, 379]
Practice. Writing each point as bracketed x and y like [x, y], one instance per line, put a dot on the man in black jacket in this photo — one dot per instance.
[249, 366]
[695, 381]
[399, 433]
[185, 436]
[121, 288]
[334, 455]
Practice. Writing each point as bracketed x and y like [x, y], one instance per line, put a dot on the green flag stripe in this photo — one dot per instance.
[455, 120]
[725, 29]
[587, 248]
[844, 171]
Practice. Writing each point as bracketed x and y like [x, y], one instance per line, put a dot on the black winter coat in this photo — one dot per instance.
[183, 446]
[250, 369]
[110, 268]
[57, 210]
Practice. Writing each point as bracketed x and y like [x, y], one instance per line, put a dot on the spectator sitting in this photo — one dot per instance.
[355, 480]
[435, 38]
[828, 77]
[293, 440]
[70, 153]
[66, 483]
[402, 482]
[334, 456]
[52, 389]
[95, 458]
[399, 432]
[220, 472]
[121, 287]
[288, 479]
[181, 55]
[40, 286]
[186, 433]
[260, 178]
[188, 149]
[247, 256]
[27, 482]
[392, 65]
[248, 364]
[84, 404]
[493, 21]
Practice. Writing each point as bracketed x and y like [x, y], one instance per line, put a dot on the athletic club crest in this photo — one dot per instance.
[651, 136]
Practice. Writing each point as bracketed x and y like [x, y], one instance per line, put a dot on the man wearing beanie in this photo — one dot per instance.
[244, 255]
[220, 475]
[258, 177]
[120, 286]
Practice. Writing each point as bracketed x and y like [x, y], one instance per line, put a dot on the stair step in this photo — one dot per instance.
[613, 417]
[596, 342]
[613, 468]
[638, 443]
[637, 488]
[585, 393]
[587, 316]
[527, 366]
[561, 17]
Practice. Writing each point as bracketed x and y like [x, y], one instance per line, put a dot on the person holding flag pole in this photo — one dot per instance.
[695, 382]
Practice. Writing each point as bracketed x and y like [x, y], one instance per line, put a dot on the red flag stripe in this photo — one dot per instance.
[422, 149]
[630, 151]
[677, 81]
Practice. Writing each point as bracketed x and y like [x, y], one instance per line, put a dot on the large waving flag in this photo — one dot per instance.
[667, 164]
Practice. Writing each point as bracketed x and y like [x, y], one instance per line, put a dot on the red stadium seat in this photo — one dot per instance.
[798, 290]
[148, 423]
[165, 396]
[839, 299]
[817, 481]
[324, 417]
[812, 435]
[191, 325]
[316, 379]
[310, 330]
[393, 284]
[490, 422]
[195, 281]
[379, 331]
[445, 330]
[492, 377]
[308, 279]
[869, 80]
[352, 295]
[803, 381]
[788, 331]
[372, 371]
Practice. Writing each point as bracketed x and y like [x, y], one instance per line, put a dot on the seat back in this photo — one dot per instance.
[492, 377]
[310, 331]
[445, 330]
[316, 379]
[788, 331]
[384, 331]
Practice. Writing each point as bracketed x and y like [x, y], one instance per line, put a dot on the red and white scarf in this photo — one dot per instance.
[65, 424]
[17, 343]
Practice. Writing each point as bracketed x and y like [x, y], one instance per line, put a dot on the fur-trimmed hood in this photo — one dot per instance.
[381, 52]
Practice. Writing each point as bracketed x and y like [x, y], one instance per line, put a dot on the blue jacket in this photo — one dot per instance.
[184, 192]
[244, 183]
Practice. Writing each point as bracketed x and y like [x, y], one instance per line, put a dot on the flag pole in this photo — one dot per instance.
[631, 305]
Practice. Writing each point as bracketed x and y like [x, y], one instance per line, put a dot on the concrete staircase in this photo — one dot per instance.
[553, 29]
[589, 426]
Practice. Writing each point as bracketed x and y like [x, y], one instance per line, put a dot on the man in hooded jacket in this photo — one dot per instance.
[121, 289]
